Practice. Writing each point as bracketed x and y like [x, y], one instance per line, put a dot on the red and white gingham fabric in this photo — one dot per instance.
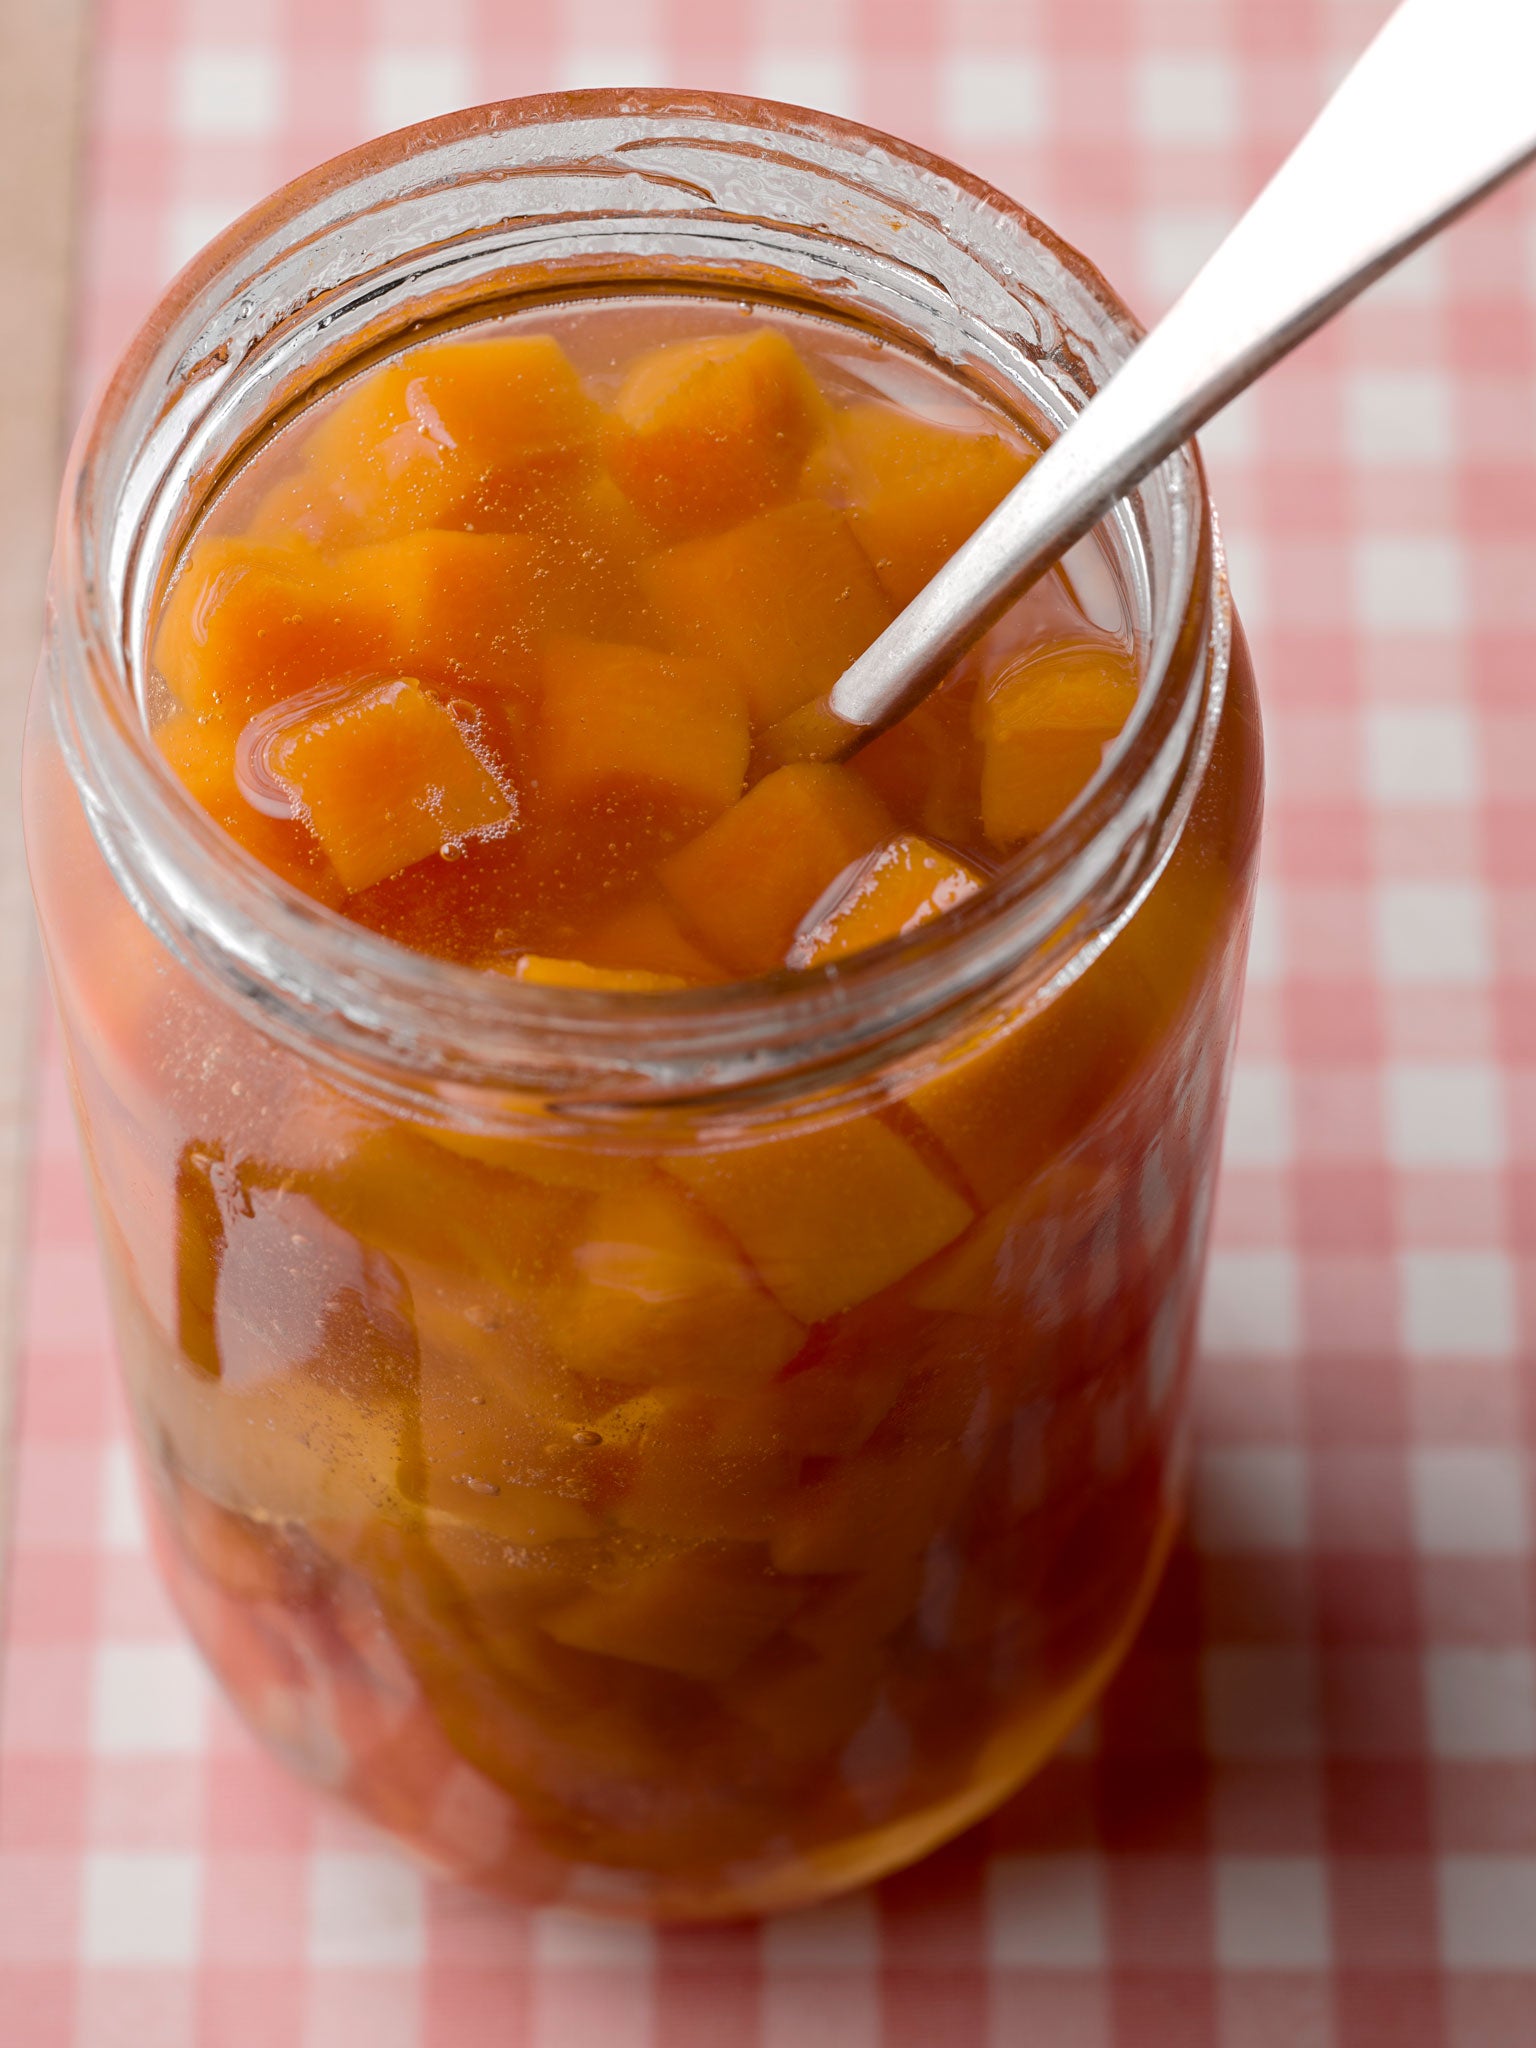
[1306, 1813]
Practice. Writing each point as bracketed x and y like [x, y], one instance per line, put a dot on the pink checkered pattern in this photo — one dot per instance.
[1306, 1813]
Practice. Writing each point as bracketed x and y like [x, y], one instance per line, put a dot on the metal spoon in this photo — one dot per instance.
[1439, 110]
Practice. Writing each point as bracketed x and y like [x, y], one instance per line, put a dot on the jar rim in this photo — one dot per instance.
[474, 1045]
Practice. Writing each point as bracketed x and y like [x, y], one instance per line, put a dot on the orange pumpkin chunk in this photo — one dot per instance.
[624, 722]
[1034, 1225]
[746, 882]
[548, 1162]
[545, 972]
[927, 769]
[707, 1467]
[479, 1435]
[856, 1612]
[1014, 1099]
[904, 884]
[1045, 722]
[813, 732]
[455, 607]
[870, 1511]
[248, 624]
[659, 1294]
[828, 1217]
[452, 1221]
[806, 1705]
[591, 544]
[289, 1445]
[647, 935]
[1026, 786]
[705, 433]
[385, 779]
[201, 751]
[454, 1485]
[697, 1615]
[788, 600]
[299, 508]
[457, 433]
[917, 490]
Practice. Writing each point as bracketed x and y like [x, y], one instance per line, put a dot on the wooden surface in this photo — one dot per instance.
[42, 68]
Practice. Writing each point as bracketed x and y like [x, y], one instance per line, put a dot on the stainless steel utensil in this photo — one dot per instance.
[1439, 110]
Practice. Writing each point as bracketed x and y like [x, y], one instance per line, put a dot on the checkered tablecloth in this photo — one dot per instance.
[1305, 1816]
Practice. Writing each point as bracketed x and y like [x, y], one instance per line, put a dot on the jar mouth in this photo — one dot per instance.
[552, 197]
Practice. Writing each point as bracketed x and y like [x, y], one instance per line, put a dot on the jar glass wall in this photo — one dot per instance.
[683, 1454]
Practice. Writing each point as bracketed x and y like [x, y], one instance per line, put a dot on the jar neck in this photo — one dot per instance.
[612, 191]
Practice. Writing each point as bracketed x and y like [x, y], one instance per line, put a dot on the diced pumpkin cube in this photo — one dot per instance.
[1027, 783]
[501, 1591]
[698, 1615]
[440, 1215]
[622, 722]
[813, 732]
[457, 433]
[299, 1363]
[747, 881]
[384, 779]
[591, 544]
[870, 1511]
[552, 1162]
[918, 490]
[967, 1280]
[485, 1342]
[516, 397]
[557, 1689]
[706, 432]
[525, 1516]
[201, 751]
[803, 1705]
[927, 769]
[647, 935]
[828, 1217]
[659, 1294]
[900, 887]
[1029, 1234]
[1024, 1089]
[299, 1292]
[454, 607]
[481, 1446]
[788, 600]
[1071, 686]
[543, 972]
[849, 1375]
[595, 1760]
[703, 1468]
[299, 510]
[1045, 721]
[246, 625]
[849, 1615]
[505, 1444]
[201, 1182]
[289, 1449]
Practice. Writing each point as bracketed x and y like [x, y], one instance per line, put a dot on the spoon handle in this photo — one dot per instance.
[1439, 109]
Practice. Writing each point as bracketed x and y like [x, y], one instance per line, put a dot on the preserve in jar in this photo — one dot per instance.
[655, 1278]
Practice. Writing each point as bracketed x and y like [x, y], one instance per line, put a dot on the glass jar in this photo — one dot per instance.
[683, 1454]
